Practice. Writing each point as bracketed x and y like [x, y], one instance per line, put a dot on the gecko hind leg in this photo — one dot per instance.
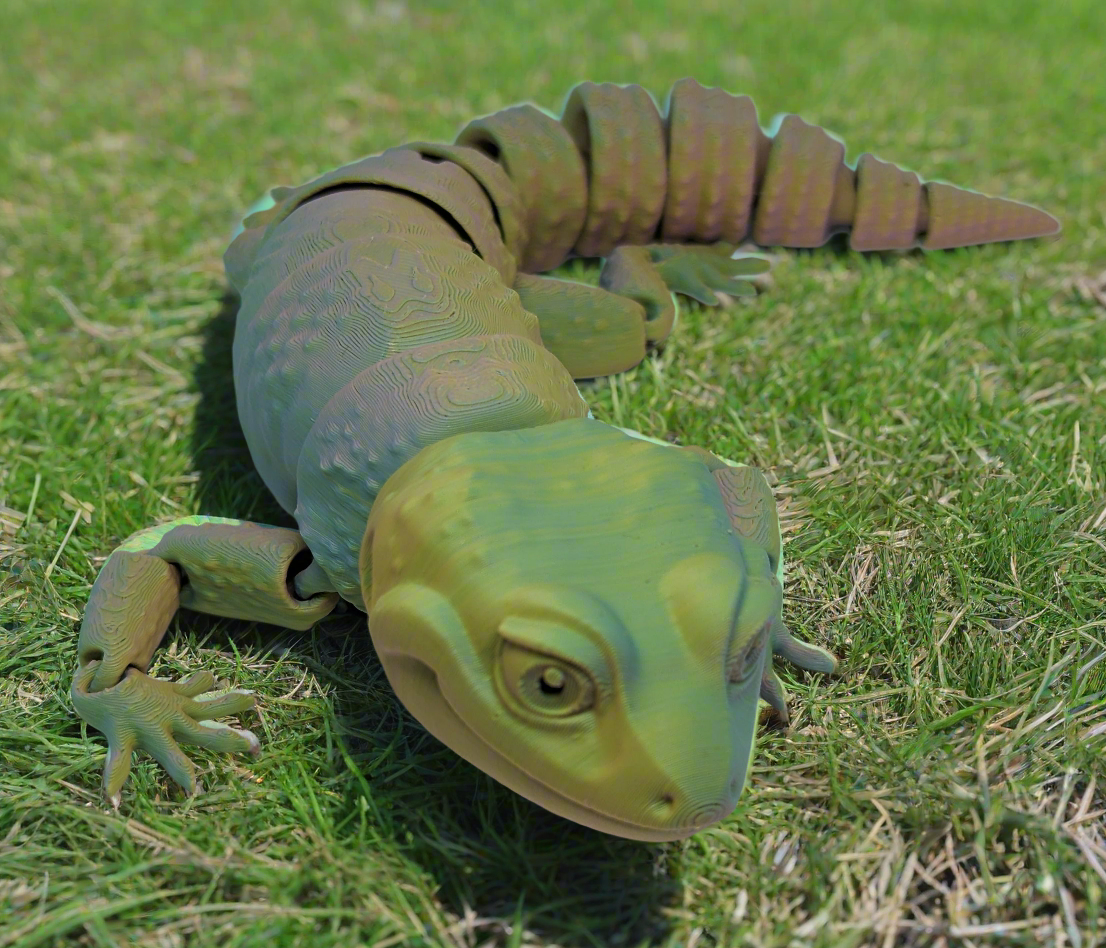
[223, 567]
[602, 330]
[590, 330]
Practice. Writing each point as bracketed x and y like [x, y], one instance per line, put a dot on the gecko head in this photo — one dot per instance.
[602, 658]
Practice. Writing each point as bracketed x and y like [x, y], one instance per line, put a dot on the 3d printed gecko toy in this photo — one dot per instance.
[588, 615]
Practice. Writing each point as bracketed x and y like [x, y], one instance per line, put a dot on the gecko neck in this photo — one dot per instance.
[393, 411]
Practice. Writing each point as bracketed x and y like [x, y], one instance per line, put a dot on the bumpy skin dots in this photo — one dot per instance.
[618, 131]
[707, 171]
[716, 155]
[444, 184]
[549, 175]
[235, 569]
[401, 405]
[589, 330]
[222, 567]
[311, 323]
[497, 185]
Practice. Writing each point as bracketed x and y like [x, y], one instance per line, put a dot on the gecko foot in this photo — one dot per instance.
[152, 714]
[698, 271]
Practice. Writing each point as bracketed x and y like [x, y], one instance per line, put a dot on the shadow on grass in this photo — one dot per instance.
[490, 851]
[219, 451]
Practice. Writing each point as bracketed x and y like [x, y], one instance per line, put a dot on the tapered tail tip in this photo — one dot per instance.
[959, 218]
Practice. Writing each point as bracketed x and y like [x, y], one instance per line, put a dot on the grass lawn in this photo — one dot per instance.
[934, 425]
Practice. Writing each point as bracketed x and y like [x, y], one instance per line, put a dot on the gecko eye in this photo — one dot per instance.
[545, 685]
[745, 661]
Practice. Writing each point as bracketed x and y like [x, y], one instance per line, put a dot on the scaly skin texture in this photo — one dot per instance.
[589, 615]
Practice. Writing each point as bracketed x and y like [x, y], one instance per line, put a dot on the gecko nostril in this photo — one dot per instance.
[665, 804]
[676, 810]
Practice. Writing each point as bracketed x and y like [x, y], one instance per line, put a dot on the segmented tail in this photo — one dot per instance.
[612, 171]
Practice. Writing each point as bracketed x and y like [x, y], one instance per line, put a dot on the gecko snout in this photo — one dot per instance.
[691, 811]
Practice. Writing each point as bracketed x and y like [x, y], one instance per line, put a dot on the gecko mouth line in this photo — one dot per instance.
[518, 779]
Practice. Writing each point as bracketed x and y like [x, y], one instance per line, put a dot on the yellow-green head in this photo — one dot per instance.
[572, 611]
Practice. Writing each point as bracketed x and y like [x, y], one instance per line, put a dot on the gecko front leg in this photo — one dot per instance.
[752, 511]
[222, 567]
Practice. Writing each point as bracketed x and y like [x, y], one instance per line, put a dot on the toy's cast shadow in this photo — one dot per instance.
[492, 852]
